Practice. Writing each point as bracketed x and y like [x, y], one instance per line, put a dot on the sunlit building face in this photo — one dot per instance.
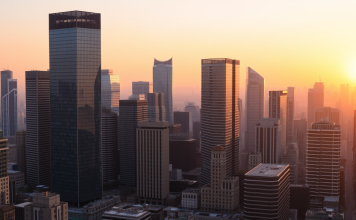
[110, 90]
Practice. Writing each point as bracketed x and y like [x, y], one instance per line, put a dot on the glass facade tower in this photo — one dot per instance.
[110, 90]
[162, 83]
[75, 100]
[9, 109]
[219, 113]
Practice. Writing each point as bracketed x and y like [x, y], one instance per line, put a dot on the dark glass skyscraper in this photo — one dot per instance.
[38, 135]
[75, 96]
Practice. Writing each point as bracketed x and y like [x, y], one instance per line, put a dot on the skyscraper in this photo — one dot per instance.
[156, 108]
[38, 128]
[5, 75]
[300, 137]
[266, 193]
[162, 83]
[186, 121]
[110, 145]
[315, 101]
[131, 112]
[290, 114]
[194, 109]
[21, 143]
[333, 114]
[254, 106]
[268, 140]
[152, 159]
[219, 113]
[110, 90]
[9, 109]
[278, 109]
[141, 87]
[323, 161]
[75, 93]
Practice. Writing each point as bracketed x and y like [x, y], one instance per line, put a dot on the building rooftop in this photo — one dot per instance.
[129, 212]
[167, 62]
[331, 199]
[100, 201]
[13, 172]
[22, 205]
[269, 170]
[218, 215]
[191, 190]
[218, 148]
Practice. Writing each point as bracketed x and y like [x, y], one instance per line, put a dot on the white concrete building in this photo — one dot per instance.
[191, 199]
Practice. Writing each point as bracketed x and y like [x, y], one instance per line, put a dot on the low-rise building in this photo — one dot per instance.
[174, 174]
[46, 206]
[7, 212]
[194, 174]
[215, 216]
[95, 210]
[174, 213]
[127, 214]
[20, 210]
[191, 198]
[174, 199]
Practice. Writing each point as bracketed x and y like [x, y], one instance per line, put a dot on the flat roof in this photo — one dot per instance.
[267, 169]
[22, 205]
[191, 190]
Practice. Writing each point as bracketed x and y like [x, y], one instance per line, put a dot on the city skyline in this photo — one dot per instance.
[290, 47]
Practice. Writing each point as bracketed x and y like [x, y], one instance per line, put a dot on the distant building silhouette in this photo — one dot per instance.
[290, 115]
[110, 90]
[333, 115]
[162, 83]
[142, 87]
[194, 109]
[278, 110]
[156, 108]
[9, 108]
[315, 101]
[185, 120]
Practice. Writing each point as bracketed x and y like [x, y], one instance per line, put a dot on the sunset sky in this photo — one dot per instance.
[290, 43]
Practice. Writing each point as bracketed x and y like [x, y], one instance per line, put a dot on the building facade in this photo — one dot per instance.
[292, 158]
[268, 140]
[4, 177]
[300, 137]
[7, 212]
[315, 101]
[38, 128]
[75, 100]
[110, 145]
[156, 108]
[323, 161]
[21, 152]
[5, 75]
[290, 114]
[142, 87]
[162, 83]
[266, 194]
[110, 90]
[185, 120]
[254, 106]
[191, 199]
[182, 153]
[46, 206]
[194, 109]
[152, 161]
[131, 112]
[222, 194]
[219, 113]
[9, 109]
[333, 114]
[254, 159]
[278, 110]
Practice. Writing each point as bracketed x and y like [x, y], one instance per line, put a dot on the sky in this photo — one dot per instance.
[288, 42]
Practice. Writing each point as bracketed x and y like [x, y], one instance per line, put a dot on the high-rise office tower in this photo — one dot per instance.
[110, 144]
[152, 159]
[268, 140]
[254, 106]
[110, 90]
[5, 75]
[156, 108]
[290, 114]
[9, 109]
[315, 101]
[278, 109]
[323, 161]
[21, 153]
[219, 113]
[162, 83]
[300, 137]
[4, 177]
[141, 87]
[186, 121]
[194, 109]
[181, 146]
[266, 193]
[75, 93]
[131, 112]
[38, 128]
[333, 114]
[222, 194]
